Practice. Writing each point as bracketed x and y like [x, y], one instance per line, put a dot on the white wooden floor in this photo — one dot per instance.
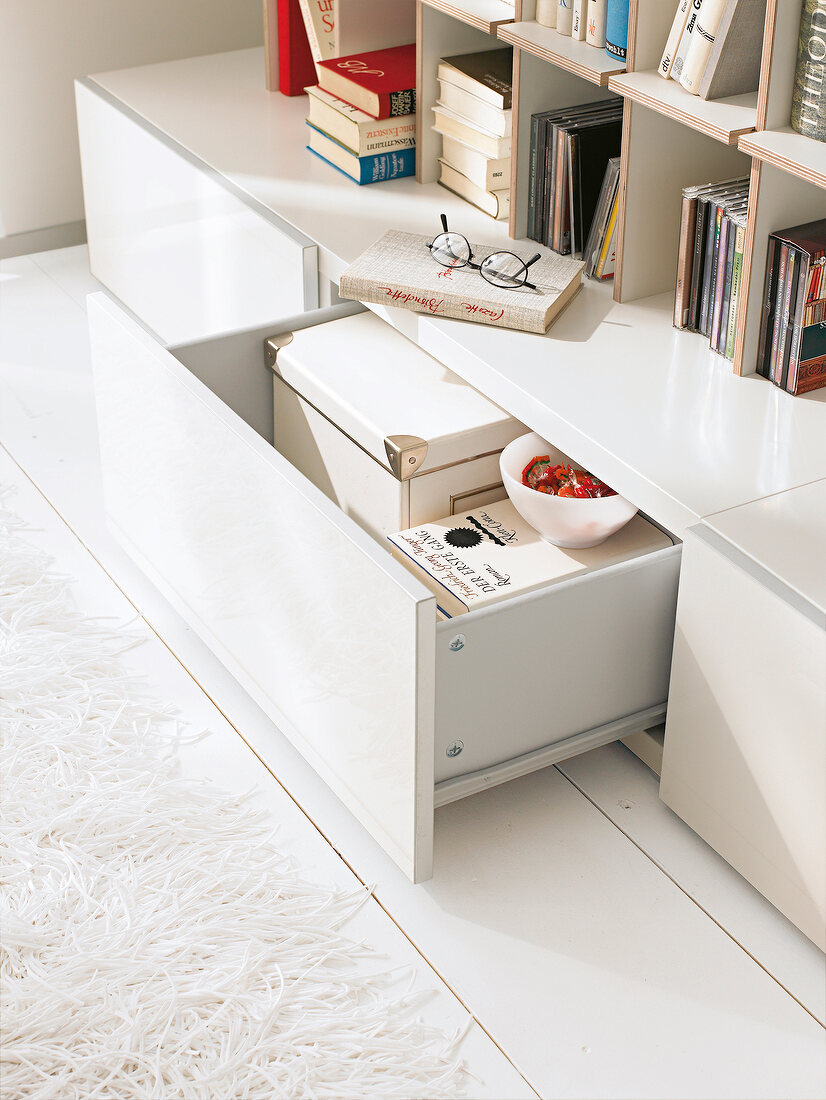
[601, 948]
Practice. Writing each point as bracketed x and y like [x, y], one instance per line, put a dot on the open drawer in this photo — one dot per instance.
[331, 636]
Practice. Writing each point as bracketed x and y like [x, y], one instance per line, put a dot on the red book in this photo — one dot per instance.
[296, 68]
[381, 83]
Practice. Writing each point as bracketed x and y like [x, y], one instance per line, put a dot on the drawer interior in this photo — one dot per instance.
[336, 640]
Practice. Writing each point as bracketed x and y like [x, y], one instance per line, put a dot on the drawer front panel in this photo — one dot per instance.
[329, 634]
[545, 667]
[181, 250]
[745, 738]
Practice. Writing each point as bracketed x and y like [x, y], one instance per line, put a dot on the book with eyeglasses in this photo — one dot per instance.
[447, 276]
[491, 554]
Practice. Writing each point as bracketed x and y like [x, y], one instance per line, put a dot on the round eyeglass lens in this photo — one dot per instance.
[450, 250]
[504, 269]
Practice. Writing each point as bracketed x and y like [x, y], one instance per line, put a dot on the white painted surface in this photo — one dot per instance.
[184, 254]
[673, 430]
[222, 758]
[44, 46]
[745, 738]
[783, 533]
[333, 635]
[588, 957]
[627, 792]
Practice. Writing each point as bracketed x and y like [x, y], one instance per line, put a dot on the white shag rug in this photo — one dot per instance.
[155, 942]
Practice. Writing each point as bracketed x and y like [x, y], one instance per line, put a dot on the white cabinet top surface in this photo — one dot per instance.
[649, 409]
[785, 534]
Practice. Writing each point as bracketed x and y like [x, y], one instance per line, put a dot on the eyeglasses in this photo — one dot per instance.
[502, 269]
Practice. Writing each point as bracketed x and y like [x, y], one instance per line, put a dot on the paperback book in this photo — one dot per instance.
[398, 270]
[369, 169]
[360, 133]
[491, 554]
[486, 74]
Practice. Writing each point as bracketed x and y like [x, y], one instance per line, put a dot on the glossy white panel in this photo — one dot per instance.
[182, 251]
[785, 534]
[334, 636]
[547, 647]
[745, 737]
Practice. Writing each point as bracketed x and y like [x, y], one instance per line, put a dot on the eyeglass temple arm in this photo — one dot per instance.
[533, 259]
[444, 222]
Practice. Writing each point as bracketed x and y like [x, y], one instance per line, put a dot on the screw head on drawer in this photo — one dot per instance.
[454, 748]
[457, 642]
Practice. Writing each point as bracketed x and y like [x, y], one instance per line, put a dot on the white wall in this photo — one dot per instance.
[45, 44]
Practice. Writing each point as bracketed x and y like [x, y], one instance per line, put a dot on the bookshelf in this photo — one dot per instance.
[548, 45]
[483, 15]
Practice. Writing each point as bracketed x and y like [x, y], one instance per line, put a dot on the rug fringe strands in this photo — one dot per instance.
[155, 941]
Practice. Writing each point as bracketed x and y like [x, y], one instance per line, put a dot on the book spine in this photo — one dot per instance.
[616, 29]
[811, 374]
[792, 277]
[579, 21]
[712, 243]
[719, 281]
[546, 12]
[797, 322]
[809, 91]
[441, 304]
[779, 298]
[682, 297]
[605, 267]
[722, 335]
[736, 282]
[695, 8]
[387, 166]
[697, 261]
[532, 181]
[565, 16]
[595, 31]
[702, 41]
[769, 287]
[296, 67]
[395, 104]
[673, 41]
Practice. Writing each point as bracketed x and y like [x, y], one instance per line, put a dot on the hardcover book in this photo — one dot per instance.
[546, 12]
[702, 42]
[491, 554]
[496, 120]
[616, 29]
[580, 20]
[449, 123]
[595, 30]
[295, 61]
[381, 83]
[494, 203]
[398, 270]
[369, 169]
[809, 92]
[487, 74]
[733, 66]
[359, 132]
[489, 173]
[320, 25]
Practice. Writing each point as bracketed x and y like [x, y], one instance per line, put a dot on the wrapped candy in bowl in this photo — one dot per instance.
[566, 504]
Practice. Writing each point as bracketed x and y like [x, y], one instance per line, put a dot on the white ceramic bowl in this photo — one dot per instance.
[565, 521]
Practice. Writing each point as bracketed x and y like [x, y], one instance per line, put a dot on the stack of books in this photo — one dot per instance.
[710, 261]
[362, 116]
[792, 348]
[473, 115]
[715, 46]
[570, 152]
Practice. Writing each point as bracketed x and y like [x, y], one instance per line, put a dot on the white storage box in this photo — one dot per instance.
[391, 435]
